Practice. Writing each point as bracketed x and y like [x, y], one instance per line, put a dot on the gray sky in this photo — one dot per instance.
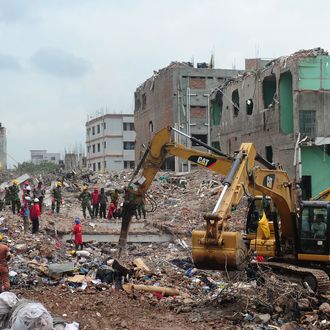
[62, 59]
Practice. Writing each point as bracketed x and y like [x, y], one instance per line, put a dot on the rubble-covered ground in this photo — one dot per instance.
[93, 289]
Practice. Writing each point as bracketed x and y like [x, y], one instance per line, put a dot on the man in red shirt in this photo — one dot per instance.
[4, 273]
[95, 202]
[34, 215]
[77, 232]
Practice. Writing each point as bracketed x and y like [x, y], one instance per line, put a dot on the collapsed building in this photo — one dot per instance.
[177, 95]
[283, 108]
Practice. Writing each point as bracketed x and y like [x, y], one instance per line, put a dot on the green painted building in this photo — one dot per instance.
[271, 104]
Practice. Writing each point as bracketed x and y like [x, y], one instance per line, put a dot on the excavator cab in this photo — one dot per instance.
[314, 231]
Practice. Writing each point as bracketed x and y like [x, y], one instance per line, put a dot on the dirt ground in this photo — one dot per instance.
[96, 310]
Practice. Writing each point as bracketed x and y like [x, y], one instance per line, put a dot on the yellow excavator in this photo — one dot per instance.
[298, 242]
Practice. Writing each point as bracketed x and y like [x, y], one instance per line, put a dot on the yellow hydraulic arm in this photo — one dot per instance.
[158, 149]
[322, 196]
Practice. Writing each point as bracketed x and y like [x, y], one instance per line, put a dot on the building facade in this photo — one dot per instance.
[283, 107]
[110, 142]
[74, 161]
[177, 96]
[42, 156]
[3, 148]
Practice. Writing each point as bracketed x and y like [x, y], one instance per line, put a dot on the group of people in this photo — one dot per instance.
[31, 206]
[97, 203]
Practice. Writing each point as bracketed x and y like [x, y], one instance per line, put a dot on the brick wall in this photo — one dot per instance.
[197, 82]
[198, 112]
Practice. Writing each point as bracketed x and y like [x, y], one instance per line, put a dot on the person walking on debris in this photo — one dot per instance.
[95, 202]
[141, 210]
[14, 198]
[103, 200]
[26, 208]
[57, 197]
[34, 215]
[85, 198]
[4, 272]
[77, 232]
[39, 192]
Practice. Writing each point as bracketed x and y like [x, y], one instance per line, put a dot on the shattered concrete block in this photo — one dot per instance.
[325, 308]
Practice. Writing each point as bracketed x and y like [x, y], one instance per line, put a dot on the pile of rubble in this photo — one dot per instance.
[160, 274]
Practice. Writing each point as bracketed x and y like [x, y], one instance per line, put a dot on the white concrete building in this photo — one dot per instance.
[42, 156]
[110, 142]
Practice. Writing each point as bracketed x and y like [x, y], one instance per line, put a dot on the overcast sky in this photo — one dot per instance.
[63, 59]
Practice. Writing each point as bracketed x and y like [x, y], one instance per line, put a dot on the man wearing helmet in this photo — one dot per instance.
[57, 197]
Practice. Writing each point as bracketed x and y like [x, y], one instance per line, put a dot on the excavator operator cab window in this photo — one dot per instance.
[314, 230]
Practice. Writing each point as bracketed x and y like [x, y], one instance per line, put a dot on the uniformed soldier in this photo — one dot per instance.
[85, 198]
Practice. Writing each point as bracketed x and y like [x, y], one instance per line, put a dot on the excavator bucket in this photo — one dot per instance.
[230, 255]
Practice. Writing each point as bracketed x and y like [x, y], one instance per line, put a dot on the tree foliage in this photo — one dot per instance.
[29, 167]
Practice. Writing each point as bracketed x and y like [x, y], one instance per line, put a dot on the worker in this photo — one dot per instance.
[34, 215]
[4, 273]
[131, 200]
[141, 209]
[26, 208]
[319, 228]
[15, 201]
[111, 211]
[95, 202]
[77, 232]
[57, 197]
[39, 192]
[85, 198]
[115, 197]
[103, 200]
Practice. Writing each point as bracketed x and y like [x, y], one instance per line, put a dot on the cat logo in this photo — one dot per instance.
[269, 181]
[202, 161]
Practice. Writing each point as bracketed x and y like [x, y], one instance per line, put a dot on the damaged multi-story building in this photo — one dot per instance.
[283, 107]
[3, 148]
[177, 95]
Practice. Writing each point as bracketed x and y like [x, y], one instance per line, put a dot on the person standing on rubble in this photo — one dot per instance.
[77, 232]
[39, 192]
[4, 272]
[15, 201]
[34, 215]
[26, 207]
[57, 197]
[103, 199]
[95, 201]
[85, 198]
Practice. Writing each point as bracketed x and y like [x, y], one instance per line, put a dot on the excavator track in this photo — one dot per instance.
[317, 279]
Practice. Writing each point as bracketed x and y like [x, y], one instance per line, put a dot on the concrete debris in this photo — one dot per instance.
[156, 277]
